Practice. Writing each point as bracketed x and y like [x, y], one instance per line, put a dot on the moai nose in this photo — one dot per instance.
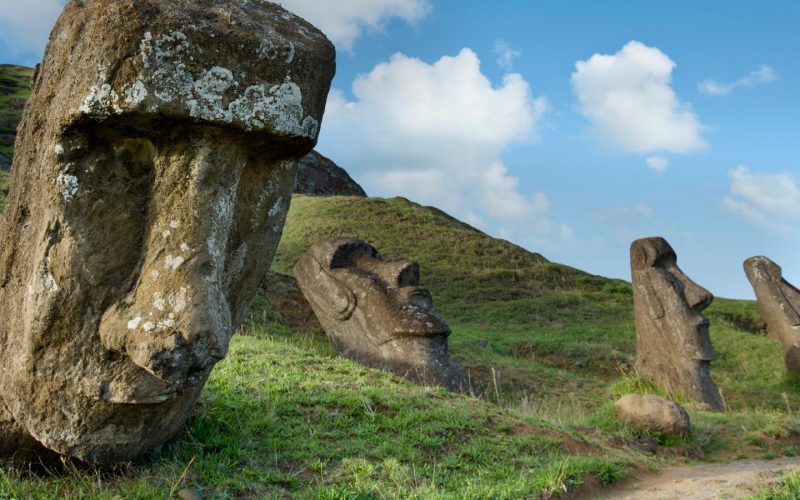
[696, 296]
[177, 321]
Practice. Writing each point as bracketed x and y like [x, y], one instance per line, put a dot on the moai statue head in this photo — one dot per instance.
[673, 348]
[374, 312]
[154, 167]
[779, 303]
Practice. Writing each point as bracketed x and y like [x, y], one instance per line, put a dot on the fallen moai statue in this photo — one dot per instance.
[154, 168]
[673, 348]
[375, 313]
[779, 303]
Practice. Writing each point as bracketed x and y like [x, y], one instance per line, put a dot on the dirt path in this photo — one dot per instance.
[732, 480]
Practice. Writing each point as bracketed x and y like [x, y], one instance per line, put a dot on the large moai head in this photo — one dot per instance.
[153, 170]
[375, 312]
[779, 303]
[673, 348]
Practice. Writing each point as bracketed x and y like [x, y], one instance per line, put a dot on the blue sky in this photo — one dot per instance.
[570, 128]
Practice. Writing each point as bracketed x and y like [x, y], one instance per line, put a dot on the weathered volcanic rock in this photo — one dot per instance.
[319, 176]
[375, 313]
[779, 303]
[673, 349]
[154, 167]
[287, 301]
[654, 413]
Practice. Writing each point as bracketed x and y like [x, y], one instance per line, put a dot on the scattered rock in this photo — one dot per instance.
[285, 298]
[779, 303]
[155, 165]
[319, 176]
[190, 494]
[673, 348]
[654, 413]
[375, 313]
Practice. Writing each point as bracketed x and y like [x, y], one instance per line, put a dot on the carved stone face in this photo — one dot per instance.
[673, 345]
[779, 303]
[155, 166]
[375, 312]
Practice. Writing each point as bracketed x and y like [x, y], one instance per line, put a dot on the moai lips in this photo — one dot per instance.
[153, 170]
[779, 303]
[375, 313]
[673, 348]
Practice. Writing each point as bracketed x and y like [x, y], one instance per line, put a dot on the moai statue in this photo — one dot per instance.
[779, 303]
[153, 170]
[673, 348]
[375, 313]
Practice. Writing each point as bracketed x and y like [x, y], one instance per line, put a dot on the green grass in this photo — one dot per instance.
[5, 179]
[788, 488]
[14, 91]
[553, 347]
[277, 419]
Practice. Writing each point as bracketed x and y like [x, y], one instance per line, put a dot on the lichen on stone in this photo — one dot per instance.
[68, 186]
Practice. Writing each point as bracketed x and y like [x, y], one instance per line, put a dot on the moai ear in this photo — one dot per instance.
[343, 300]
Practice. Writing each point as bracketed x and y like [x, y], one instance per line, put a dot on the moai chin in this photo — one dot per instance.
[375, 313]
[153, 170]
[779, 303]
[673, 348]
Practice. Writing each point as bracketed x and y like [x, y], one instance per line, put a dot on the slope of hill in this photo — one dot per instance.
[556, 342]
[5, 178]
[14, 90]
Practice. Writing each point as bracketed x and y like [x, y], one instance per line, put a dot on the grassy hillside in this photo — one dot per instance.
[5, 178]
[15, 84]
[559, 343]
[281, 416]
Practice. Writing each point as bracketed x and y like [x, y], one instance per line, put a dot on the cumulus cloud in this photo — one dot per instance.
[435, 133]
[505, 55]
[657, 163]
[765, 199]
[630, 101]
[345, 20]
[25, 27]
[764, 74]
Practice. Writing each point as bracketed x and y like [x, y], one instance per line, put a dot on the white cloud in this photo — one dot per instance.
[644, 209]
[769, 200]
[343, 21]
[435, 133]
[764, 74]
[505, 55]
[624, 217]
[628, 98]
[657, 163]
[25, 26]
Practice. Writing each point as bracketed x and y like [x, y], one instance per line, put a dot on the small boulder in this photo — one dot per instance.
[654, 413]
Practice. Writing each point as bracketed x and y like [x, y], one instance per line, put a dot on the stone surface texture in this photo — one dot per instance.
[319, 176]
[654, 414]
[152, 174]
[673, 348]
[779, 303]
[375, 313]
